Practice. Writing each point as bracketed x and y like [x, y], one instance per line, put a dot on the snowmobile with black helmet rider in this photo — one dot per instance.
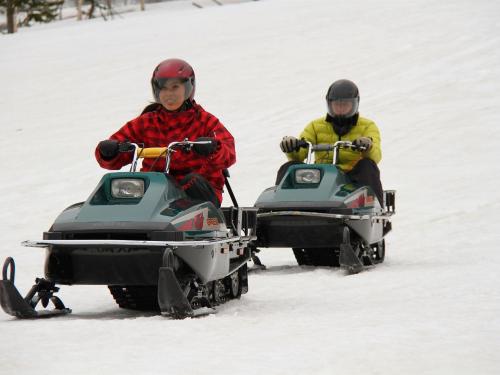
[341, 123]
[332, 210]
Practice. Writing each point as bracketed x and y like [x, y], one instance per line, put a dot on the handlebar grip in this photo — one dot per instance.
[323, 147]
[358, 148]
[302, 144]
[125, 147]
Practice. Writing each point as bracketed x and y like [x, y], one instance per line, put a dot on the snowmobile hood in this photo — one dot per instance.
[103, 206]
[327, 187]
[163, 206]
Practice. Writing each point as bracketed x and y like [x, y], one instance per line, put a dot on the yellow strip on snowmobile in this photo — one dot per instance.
[151, 152]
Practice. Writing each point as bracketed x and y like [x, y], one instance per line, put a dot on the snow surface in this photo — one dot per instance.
[429, 76]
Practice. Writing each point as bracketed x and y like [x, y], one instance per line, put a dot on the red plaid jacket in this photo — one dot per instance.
[160, 127]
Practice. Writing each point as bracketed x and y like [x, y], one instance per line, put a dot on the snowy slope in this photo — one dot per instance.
[429, 77]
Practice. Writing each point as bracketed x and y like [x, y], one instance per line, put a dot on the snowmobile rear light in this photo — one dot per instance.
[127, 188]
[307, 176]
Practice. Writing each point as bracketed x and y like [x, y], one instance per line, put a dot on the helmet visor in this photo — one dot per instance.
[343, 107]
[161, 83]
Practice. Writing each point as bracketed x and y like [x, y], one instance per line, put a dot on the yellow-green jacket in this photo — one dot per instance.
[320, 131]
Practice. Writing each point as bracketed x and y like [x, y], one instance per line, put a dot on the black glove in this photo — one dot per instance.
[109, 148]
[206, 148]
[290, 144]
[364, 143]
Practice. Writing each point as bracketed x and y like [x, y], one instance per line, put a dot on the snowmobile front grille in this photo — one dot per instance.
[299, 232]
[106, 236]
[123, 235]
[103, 265]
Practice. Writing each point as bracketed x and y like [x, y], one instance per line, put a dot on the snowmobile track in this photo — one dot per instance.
[137, 297]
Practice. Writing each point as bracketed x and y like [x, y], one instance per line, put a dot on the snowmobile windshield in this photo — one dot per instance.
[161, 83]
[343, 108]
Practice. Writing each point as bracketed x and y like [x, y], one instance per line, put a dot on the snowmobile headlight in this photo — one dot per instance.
[307, 176]
[127, 188]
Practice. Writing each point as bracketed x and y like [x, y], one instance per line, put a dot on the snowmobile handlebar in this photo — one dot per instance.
[335, 147]
[157, 152]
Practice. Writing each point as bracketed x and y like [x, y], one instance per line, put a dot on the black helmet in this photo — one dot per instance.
[342, 99]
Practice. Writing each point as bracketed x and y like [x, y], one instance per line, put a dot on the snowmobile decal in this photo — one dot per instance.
[360, 199]
[198, 220]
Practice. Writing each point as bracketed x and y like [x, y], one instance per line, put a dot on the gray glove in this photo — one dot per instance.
[289, 144]
[363, 142]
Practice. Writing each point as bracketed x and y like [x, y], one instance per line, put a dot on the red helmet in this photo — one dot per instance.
[173, 68]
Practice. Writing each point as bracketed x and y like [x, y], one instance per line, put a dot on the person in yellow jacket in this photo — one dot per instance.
[342, 123]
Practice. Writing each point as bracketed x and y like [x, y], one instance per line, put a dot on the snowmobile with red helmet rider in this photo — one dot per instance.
[158, 237]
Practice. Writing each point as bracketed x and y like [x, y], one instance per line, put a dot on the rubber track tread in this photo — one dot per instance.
[317, 257]
[138, 297]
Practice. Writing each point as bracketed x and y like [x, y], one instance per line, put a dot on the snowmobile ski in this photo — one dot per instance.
[171, 298]
[24, 308]
[257, 263]
[348, 258]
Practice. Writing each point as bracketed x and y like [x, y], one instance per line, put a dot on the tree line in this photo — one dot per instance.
[21, 13]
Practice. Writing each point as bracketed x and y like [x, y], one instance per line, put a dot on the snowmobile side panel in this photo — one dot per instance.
[369, 230]
[209, 263]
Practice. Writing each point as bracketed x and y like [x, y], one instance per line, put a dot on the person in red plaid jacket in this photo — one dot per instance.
[174, 117]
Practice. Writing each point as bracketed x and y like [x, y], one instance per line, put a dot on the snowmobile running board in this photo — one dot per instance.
[385, 216]
[194, 243]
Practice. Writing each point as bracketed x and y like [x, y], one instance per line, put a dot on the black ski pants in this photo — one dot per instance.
[365, 172]
[197, 187]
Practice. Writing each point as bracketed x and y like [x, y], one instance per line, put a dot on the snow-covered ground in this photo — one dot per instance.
[429, 77]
